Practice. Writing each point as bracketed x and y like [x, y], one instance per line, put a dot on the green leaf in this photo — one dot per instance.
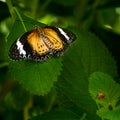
[57, 115]
[108, 114]
[86, 55]
[103, 83]
[36, 77]
[73, 82]
[94, 55]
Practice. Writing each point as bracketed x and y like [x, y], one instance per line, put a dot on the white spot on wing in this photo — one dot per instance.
[63, 33]
[20, 48]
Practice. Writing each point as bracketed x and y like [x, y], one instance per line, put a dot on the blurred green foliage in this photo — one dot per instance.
[62, 88]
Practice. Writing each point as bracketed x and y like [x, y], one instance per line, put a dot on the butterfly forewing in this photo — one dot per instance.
[54, 42]
[37, 44]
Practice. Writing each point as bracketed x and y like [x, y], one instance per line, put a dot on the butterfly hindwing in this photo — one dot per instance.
[18, 48]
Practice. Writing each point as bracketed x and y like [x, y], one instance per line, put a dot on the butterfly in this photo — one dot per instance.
[41, 43]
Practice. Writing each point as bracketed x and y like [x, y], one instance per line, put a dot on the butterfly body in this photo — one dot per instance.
[41, 43]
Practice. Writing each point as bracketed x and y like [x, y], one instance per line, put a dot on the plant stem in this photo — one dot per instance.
[43, 7]
[34, 8]
[50, 100]
[11, 9]
[27, 108]
[4, 64]
[20, 19]
[80, 11]
[13, 12]
[45, 4]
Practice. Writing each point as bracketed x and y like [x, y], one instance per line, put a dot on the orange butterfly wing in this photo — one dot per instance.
[54, 42]
[37, 43]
